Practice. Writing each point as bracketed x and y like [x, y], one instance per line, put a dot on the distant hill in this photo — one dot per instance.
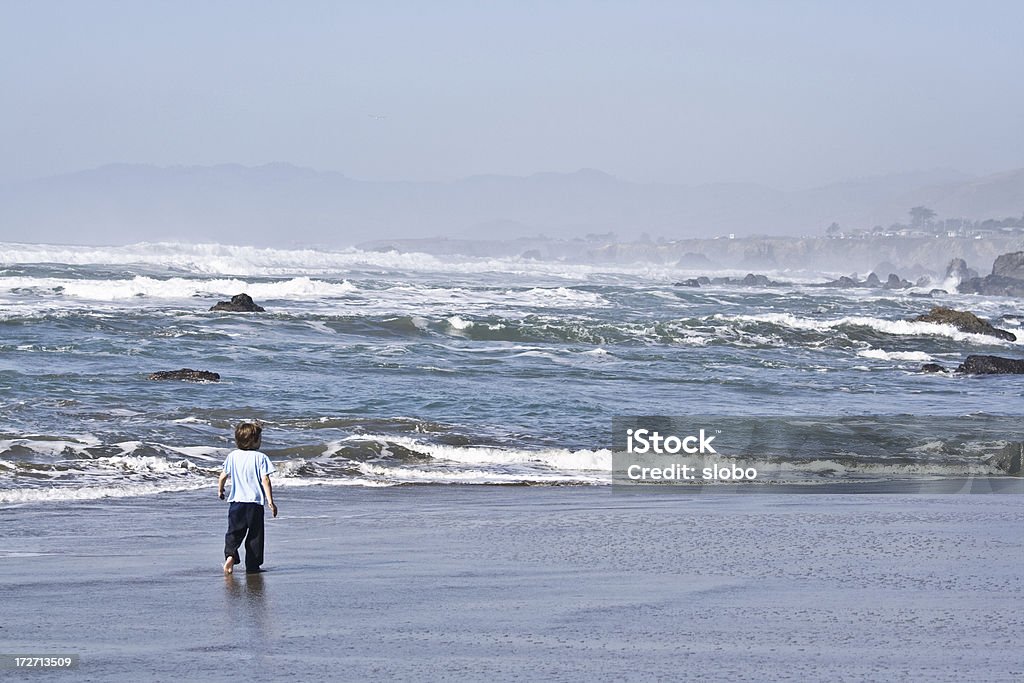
[281, 204]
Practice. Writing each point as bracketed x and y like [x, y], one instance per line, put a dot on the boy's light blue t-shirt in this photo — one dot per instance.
[246, 469]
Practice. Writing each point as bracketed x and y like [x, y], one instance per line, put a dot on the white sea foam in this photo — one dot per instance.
[92, 492]
[49, 447]
[559, 459]
[176, 288]
[483, 299]
[472, 476]
[458, 323]
[147, 464]
[211, 453]
[209, 259]
[894, 327]
[559, 296]
[895, 355]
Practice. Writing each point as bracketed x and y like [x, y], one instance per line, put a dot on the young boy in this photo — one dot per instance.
[250, 471]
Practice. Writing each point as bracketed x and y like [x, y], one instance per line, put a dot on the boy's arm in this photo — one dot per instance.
[270, 493]
[220, 485]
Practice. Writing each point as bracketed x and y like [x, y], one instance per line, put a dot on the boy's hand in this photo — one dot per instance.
[273, 508]
[220, 494]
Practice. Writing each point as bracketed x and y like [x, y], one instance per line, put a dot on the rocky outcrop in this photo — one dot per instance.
[186, 374]
[991, 365]
[240, 303]
[965, 321]
[896, 282]
[933, 367]
[844, 282]
[1010, 265]
[872, 282]
[692, 282]
[992, 285]
[750, 280]
[1007, 278]
[982, 365]
[958, 268]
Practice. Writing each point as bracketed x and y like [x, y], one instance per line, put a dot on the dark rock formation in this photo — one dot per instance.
[752, 280]
[1010, 265]
[965, 321]
[992, 285]
[692, 282]
[187, 374]
[958, 268]
[885, 267]
[991, 365]
[240, 303]
[873, 282]
[1007, 278]
[933, 367]
[846, 282]
[896, 282]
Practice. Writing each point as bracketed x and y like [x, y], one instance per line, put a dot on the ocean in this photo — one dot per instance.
[379, 369]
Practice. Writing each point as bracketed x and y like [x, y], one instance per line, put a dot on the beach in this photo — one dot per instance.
[448, 442]
[522, 583]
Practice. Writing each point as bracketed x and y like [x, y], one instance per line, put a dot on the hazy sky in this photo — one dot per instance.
[790, 94]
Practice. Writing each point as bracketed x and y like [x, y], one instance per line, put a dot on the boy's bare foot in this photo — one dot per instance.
[229, 564]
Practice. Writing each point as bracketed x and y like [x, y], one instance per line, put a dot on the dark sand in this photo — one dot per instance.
[486, 583]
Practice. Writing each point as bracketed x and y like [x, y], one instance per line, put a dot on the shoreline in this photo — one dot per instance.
[929, 485]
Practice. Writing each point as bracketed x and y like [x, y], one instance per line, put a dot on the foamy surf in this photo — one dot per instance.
[880, 354]
[173, 288]
[892, 327]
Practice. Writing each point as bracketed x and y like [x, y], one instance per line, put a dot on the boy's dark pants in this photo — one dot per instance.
[245, 520]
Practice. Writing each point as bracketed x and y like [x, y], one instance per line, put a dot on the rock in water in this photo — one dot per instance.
[843, 281]
[932, 367]
[896, 282]
[965, 321]
[240, 303]
[958, 268]
[991, 365]
[1007, 278]
[1009, 265]
[187, 374]
[752, 280]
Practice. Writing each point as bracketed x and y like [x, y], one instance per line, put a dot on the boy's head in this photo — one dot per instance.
[248, 435]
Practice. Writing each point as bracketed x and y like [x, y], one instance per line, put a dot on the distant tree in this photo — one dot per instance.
[833, 229]
[921, 216]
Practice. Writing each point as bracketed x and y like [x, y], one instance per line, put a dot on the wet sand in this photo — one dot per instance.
[522, 583]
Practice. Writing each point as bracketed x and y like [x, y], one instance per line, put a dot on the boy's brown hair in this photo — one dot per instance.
[248, 435]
